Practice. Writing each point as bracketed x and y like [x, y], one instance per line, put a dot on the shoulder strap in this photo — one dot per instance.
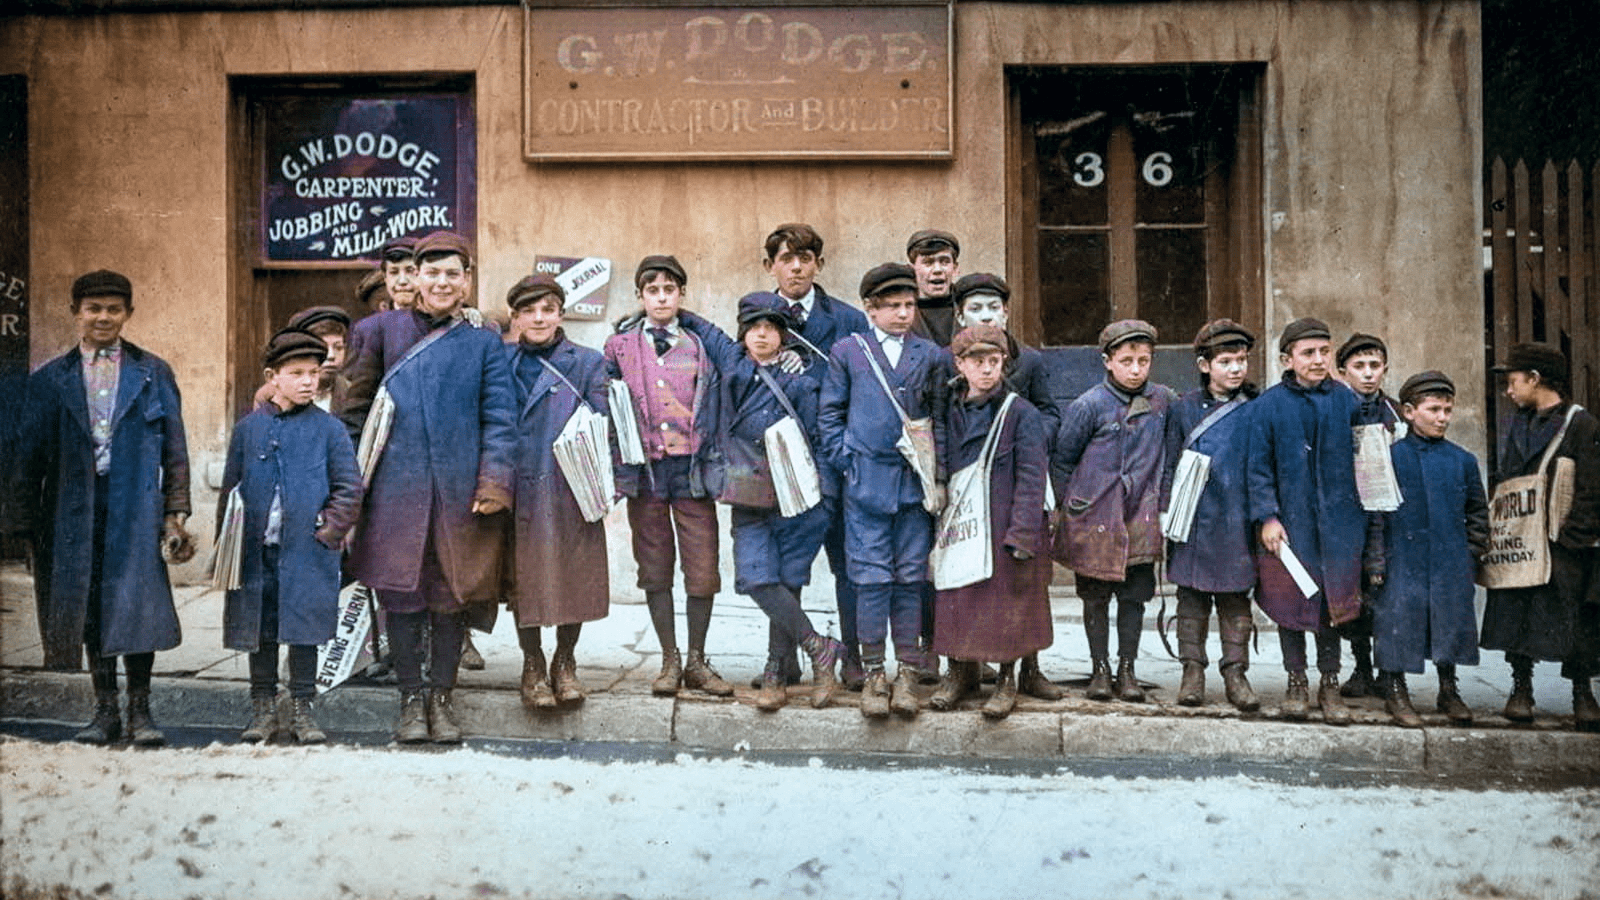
[772, 385]
[566, 381]
[427, 341]
[884, 382]
[992, 440]
[1212, 418]
[1555, 442]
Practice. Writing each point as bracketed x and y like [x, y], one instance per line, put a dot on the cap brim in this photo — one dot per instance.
[894, 283]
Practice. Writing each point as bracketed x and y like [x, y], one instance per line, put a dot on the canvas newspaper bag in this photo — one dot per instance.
[916, 437]
[963, 551]
[1521, 527]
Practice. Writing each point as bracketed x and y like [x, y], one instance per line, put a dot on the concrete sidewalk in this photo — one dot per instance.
[201, 683]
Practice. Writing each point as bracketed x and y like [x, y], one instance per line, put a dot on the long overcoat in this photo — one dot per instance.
[1217, 557]
[305, 454]
[149, 478]
[830, 321]
[630, 355]
[452, 442]
[1543, 622]
[1106, 470]
[1434, 540]
[557, 563]
[1302, 473]
[1006, 616]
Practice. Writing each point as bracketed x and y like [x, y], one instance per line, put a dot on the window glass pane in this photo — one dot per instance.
[1072, 170]
[1172, 280]
[1074, 286]
[1170, 178]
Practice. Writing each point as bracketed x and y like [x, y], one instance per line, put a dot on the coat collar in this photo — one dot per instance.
[136, 372]
[561, 358]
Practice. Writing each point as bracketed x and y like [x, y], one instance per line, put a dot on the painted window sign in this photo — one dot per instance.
[343, 175]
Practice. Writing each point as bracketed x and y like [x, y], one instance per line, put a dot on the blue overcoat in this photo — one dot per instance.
[149, 478]
[1302, 473]
[306, 454]
[1217, 557]
[831, 320]
[1433, 543]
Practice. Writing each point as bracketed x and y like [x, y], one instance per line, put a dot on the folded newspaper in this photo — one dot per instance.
[794, 472]
[375, 434]
[1375, 481]
[227, 553]
[1297, 571]
[1188, 481]
[583, 453]
[630, 447]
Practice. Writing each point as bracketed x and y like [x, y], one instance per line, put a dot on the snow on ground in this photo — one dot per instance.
[286, 822]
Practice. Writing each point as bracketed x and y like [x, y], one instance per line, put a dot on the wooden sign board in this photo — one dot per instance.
[737, 82]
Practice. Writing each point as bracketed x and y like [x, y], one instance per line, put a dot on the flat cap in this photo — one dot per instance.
[102, 283]
[531, 288]
[931, 240]
[660, 262]
[291, 343]
[764, 305]
[1430, 382]
[886, 277]
[1544, 359]
[314, 315]
[372, 290]
[1358, 342]
[980, 339]
[441, 243]
[398, 249]
[1125, 330]
[980, 283]
[1219, 333]
[1301, 329]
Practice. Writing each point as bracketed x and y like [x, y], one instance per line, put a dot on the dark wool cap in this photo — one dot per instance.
[371, 290]
[398, 249]
[980, 283]
[888, 276]
[291, 343]
[306, 318]
[531, 288]
[764, 305]
[931, 240]
[660, 262]
[980, 339]
[1541, 358]
[441, 243]
[1300, 329]
[1126, 330]
[1357, 343]
[1219, 333]
[102, 283]
[1429, 382]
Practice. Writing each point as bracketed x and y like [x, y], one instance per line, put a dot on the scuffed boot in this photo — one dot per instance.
[442, 725]
[1585, 711]
[1099, 681]
[1192, 689]
[1297, 697]
[1360, 683]
[1519, 706]
[106, 726]
[471, 659]
[960, 680]
[875, 695]
[1031, 681]
[825, 653]
[1238, 690]
[1398, 703]
[1004, 699]
[904, 697]
[698, 675]
[412, 728]
[1192, 651]
[142, 729]
[773, 695]
[263, 719]
[564, 679]
[1236, 631]
[1450, 702]
[1128, 689]
[671, 677]
[535, 688]
[1334, 712]
[303, 725]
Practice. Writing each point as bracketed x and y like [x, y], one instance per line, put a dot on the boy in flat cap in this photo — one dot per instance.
[398, 263]
[875, 384]
[675, 388]
[1558, 620]
[1106, 471]
[559, 576]
[103, 473]
[295, 470]
[935, 256]
[332, 325]
[1424, 609]
[1302, 492]
[1214, 565]
[432, 528]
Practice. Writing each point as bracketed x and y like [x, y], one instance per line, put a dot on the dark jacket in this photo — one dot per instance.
[1217, 558]
[936, 319]
[149, 478]
[306, 455]
[1026, 376]
[830, 320]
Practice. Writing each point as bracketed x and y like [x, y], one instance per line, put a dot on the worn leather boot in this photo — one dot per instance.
[875, 695]
[1334, 712]
[442, 726]
[1585, 711]
[535, 688]
[470, 657]
[412, 727]
[1192, 651]
[1449, 701]
[1519, 706]
[1192, 689]
[1128, 689]
[960, 680]
[698, 675]
[1360, 683]
[851, 672]
[1398, 703]
[1004, 699]
[106, 726]
[564, 679]
[903, 695]
[1031, 681]
[772, 695]
[142, 729]
[1236, 630]
[1099, 681]
[303, 725]
[1238, 689]
[263, 719]
[825, 653]
[671, 677]
[1297, 697]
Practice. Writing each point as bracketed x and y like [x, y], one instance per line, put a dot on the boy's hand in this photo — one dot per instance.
[1273, 535]
[789, 361]
[487, 506]
[628, 321]
[1020, 555]
[177, 545]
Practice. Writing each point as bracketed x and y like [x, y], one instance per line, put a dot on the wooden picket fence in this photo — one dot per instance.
[1541, 280]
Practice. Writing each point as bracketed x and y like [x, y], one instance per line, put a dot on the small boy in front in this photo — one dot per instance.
[887, 529]
[296, 473]
[1107, 471]
[1434, 541]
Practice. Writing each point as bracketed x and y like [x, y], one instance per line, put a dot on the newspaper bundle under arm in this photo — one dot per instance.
[1188, 481]
[227, 553]
[1375, 481]
[1297, 571]
[630, 447]
[375, 434]
[794, 472]
[583, 453]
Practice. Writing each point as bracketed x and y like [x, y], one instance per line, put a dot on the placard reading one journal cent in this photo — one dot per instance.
[731, 82]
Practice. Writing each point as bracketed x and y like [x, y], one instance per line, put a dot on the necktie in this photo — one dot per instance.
[663, 340]
[798, 314]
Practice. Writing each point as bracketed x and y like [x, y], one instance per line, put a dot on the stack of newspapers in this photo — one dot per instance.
[629, 445]
[1375, 481]
[794, 472]
[375, 434]
[1188, 481]
[583, 453]
[228, 552]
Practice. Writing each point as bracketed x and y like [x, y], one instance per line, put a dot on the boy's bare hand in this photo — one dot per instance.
[1273, 535]
[487, 506]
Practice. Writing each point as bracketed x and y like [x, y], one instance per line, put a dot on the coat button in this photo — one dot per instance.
[1100, 528]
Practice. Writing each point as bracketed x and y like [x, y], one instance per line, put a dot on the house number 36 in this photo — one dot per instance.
[1090, 169]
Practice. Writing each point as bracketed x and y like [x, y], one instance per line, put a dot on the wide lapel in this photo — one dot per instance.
[69, 382]
[542, 383]
[133, 379]
[820, 325]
